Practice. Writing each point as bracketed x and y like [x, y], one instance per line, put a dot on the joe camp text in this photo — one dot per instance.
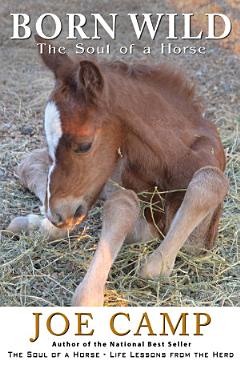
[120, 324]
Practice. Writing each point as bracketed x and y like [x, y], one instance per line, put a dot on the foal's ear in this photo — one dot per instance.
[54, 61]
[90, 77]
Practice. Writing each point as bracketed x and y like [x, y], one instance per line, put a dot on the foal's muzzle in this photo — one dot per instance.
[67, 220]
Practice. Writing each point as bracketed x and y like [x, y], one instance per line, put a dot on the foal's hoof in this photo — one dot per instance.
[24, 224]
[51, 232]
[156, 265]
[87, 297]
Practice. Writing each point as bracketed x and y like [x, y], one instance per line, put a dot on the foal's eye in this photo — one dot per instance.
[82, 148]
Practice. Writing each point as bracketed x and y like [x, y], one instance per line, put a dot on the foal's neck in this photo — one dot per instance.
[144, 115]
[157, 134]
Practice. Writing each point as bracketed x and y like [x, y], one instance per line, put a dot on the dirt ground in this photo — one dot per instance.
[35, 272]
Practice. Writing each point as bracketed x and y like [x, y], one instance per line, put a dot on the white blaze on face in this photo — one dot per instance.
[53, 130]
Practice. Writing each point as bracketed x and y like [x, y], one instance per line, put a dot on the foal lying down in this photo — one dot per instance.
[142, 126]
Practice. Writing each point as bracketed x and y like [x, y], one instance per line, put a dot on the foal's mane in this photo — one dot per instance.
[167, 77]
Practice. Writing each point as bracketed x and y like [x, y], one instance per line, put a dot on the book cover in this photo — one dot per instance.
[119, 129]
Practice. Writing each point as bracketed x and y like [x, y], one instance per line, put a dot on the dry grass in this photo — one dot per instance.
[35, 272]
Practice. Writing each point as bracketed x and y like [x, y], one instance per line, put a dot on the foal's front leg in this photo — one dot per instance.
[205, 192]
[121, 211]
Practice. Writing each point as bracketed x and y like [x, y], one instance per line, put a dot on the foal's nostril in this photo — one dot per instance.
[57, 219]
[78, 212]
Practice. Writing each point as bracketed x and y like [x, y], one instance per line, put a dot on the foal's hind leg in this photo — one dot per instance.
[204, 194]
[33, 172]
